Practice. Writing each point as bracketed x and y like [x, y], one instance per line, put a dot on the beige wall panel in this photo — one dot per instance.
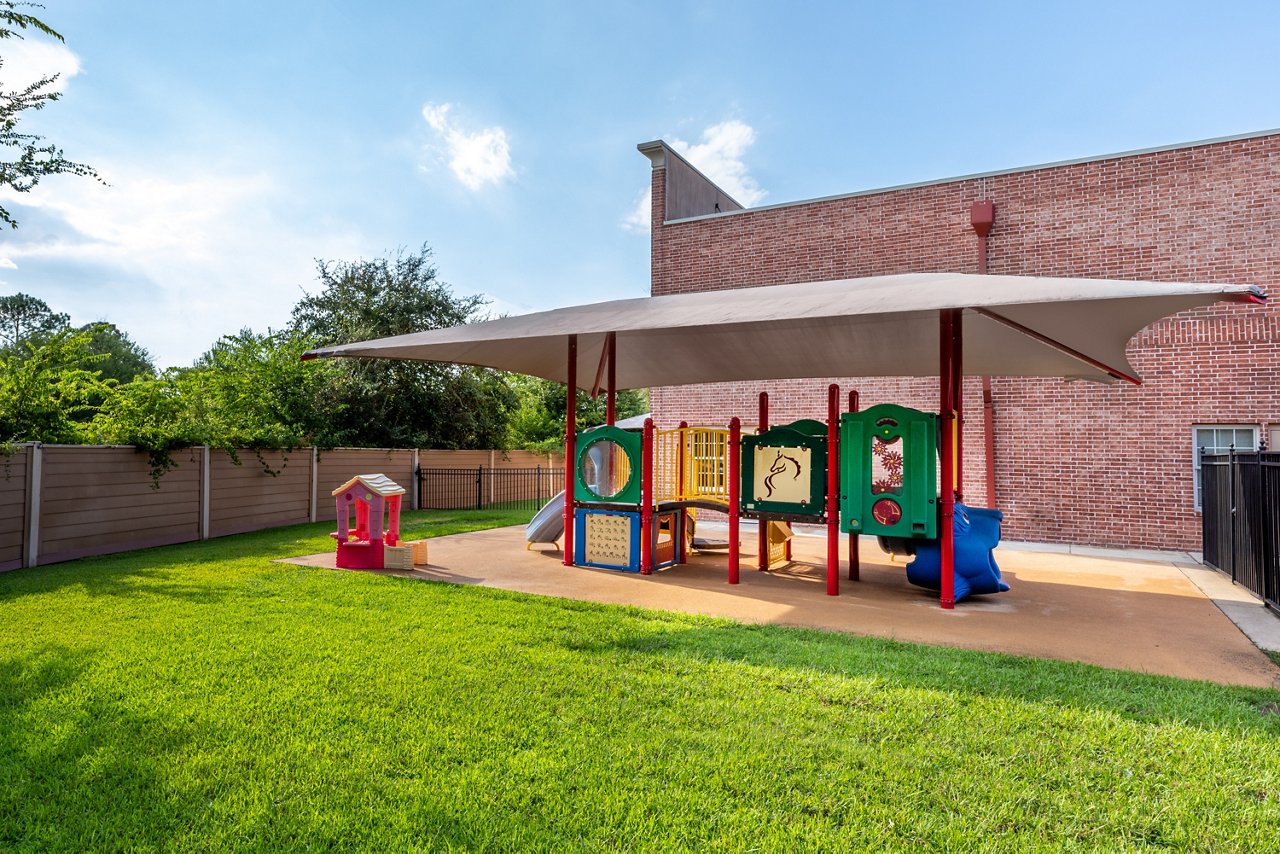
[473, 459]
[338, 466]
[103, 500]
[13, 507]
[99, 500]
[246, 498]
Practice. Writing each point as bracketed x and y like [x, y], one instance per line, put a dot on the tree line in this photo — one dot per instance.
[93, 384]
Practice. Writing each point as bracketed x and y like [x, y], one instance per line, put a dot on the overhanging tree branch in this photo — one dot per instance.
[32, 160]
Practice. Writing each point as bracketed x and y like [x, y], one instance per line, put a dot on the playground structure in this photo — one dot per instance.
[636, 493]
[901, 325]
[375, 541]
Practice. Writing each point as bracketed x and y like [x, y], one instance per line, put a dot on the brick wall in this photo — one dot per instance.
[1078, 463]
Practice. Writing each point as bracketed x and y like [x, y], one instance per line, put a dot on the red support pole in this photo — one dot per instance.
[989, 439]
[570, 435]
[833, 490]
[681, 547]
[735, 463]
[946, 348]
[646, 499]
[611, 396]
[855, 559]
[762, 537]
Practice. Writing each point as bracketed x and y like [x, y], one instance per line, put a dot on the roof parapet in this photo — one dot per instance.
[689, 193]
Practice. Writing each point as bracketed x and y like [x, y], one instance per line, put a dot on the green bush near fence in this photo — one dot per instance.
[203, 697]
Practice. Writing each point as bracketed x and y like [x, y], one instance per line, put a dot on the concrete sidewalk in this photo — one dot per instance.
[1139, 615]
[1259, 623]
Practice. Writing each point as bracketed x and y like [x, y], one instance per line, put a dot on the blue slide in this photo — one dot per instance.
[977, 533]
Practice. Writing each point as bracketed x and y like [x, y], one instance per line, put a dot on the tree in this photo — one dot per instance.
[256, 392]
[385, 403]
[537, 423]
[47, 388]
[124, 358]
[33, 159]
[248, 391]
[24, 317]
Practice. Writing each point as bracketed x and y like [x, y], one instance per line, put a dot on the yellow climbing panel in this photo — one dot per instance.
[691, 464]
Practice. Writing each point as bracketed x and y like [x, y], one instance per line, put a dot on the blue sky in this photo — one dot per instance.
[243, 140]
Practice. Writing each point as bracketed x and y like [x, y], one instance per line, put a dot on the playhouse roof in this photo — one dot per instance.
[378, 484]
[1028, 326]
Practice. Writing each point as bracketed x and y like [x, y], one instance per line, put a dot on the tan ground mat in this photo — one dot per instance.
[1143, 616]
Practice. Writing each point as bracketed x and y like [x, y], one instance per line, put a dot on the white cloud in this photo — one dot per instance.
[641, 216]
[27, 60]
[437, 116]
[719, 157]
[476, 158]
[7, 264]
[175, 254]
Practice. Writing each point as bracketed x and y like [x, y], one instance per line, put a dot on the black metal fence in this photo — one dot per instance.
[483, 487]
[1240, 501]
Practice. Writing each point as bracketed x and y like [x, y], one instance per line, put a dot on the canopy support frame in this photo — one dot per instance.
[570, 435]
[949, 326]
[1115, 373]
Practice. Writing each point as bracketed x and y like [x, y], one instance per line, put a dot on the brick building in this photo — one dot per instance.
[1073, 462]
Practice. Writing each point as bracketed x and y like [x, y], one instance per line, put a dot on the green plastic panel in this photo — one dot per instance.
[607, 466]
[889, 472]
[792, 467]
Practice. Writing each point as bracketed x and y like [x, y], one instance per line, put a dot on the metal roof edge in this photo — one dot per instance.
[1137, 152]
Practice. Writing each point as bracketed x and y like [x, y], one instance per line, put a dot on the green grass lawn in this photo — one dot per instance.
[202, 697]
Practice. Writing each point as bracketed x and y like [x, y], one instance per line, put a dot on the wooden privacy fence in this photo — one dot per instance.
[61, 502]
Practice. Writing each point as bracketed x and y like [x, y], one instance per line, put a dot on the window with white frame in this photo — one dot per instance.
[1219, 439]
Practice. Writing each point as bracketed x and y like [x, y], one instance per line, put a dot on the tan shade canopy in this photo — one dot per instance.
[875, 326]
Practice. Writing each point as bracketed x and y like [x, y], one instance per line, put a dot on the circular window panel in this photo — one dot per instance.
[605, 469]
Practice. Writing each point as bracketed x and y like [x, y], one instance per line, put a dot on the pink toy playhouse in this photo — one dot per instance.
[372, 495]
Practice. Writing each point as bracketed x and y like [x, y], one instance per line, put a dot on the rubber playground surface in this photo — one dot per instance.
[1137, 615]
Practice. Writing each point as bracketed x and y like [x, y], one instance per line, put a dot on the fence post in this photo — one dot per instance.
[204, 491]
[1204, 508]
[537, 479]
[416, 497]
[1263, 520]
[1231, 492]
[479, 487]
[35, 463]
[315, 483]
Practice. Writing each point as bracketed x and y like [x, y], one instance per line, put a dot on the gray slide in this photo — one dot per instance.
[548, 524]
